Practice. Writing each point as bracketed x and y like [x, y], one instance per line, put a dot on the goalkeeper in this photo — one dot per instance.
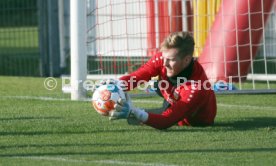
[188, 98]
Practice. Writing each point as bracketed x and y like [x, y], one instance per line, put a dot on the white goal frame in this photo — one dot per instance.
[88, 39]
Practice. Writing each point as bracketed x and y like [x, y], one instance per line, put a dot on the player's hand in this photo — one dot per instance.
[124, 109]
[108, 81]
[116, 82]
[105, 81]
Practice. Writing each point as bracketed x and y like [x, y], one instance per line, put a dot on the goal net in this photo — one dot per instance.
[235, 39]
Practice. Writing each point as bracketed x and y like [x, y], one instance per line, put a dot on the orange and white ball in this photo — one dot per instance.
[105, 97]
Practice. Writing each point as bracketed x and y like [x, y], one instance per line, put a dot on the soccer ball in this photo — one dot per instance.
[105, 97]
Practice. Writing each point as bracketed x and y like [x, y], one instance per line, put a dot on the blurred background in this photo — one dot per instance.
[122, 35]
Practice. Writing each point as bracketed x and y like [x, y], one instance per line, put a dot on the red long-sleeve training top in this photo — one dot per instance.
[191, 103]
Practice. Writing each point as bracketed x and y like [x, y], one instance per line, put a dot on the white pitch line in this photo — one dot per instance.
[111, 162]
[35, 98]
[139, 101]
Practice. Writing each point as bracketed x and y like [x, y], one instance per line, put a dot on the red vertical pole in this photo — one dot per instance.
[176, 19]
[151, 36]
[164, 20]
[190, 16]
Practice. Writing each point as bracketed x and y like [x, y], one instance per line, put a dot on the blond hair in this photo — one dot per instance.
[183, 41]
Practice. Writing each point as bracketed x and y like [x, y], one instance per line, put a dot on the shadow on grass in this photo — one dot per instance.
[35, 133]
[71, 131]
[64, 145]
[143, 152]
[252, 123]
[60, 130]
[249, 123]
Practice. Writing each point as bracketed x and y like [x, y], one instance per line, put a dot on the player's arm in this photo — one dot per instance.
[170, 117]
[188, 102]
[151, 69]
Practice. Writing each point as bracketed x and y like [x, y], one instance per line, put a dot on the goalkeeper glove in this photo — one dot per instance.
[124, 109]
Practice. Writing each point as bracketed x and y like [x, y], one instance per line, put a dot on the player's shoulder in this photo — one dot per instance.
[157, 59]
[158, 54]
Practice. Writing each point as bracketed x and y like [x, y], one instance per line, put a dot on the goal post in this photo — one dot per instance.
[78, 48]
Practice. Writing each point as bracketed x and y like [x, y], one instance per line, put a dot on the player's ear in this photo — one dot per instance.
[188, 58]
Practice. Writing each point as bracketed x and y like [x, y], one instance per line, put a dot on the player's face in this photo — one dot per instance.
[173, 63]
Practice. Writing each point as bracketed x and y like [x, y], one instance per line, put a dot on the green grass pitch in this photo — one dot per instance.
[42, 127]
